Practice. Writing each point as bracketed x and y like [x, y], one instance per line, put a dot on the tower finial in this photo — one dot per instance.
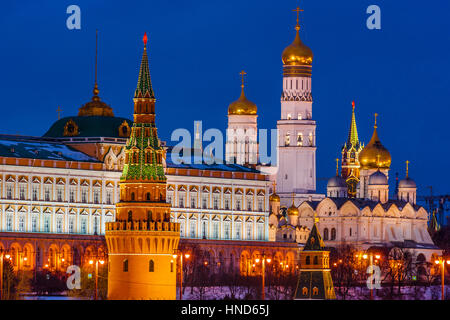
[96, 91]
[274, 186]
[337, 167]
[293, 198]
[242, 73]
[407, 168]
[353, 105]
[298, 10]
[375, 125]
[145, 39]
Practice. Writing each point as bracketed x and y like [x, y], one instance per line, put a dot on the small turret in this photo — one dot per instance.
[407, 188]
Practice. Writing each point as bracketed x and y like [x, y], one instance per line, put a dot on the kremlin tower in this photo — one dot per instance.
[242, 132]
[296, 130]
[142, 240]
[350, 157]
[314, 280]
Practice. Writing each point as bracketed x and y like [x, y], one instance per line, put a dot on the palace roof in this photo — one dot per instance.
[32, 148]
[93, 126]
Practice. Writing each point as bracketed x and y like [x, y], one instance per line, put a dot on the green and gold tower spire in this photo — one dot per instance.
[350, 153]
[140, 267]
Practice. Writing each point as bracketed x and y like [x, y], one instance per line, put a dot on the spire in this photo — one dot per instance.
[144, 86]
[314, 242]
[95, 107]
[337, 167]
[353, 132]
[96, 91]
[407, 169]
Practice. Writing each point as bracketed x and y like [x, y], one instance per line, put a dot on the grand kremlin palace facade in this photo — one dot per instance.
[58, 191]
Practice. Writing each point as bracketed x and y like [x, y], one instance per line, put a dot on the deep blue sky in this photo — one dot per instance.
[197, 49]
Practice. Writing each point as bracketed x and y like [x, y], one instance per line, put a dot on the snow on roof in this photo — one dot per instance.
[20, 147]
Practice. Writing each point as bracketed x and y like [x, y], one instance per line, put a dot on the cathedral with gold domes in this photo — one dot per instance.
[94, 174]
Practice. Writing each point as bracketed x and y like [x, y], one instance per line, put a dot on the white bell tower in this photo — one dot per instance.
[296, 128]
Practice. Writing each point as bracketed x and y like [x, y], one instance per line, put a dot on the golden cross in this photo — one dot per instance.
[407, 167]
[58, 110]
[376, 115]
[298, 10]
[337, 167]
[274, 186]
[316, 218]
[353, 105]
[242, 73]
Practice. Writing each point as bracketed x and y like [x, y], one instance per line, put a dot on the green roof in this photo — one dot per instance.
[314, 242]
[94, 126]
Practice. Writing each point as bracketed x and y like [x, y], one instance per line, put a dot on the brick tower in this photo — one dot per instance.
[142, 240]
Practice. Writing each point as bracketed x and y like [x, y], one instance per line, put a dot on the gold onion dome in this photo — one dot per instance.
[242, 106]
[274, 198]
[297, 53]
[375, 155]
[293, 210]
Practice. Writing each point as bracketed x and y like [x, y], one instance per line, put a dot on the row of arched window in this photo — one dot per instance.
[326, 235]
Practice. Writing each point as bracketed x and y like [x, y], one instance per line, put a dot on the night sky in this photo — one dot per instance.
[198, 48]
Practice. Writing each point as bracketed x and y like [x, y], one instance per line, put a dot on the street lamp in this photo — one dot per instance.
[186, 256]
[263, 273]
[7, 256]
[370, 256]
[442, 262]
[96, 274]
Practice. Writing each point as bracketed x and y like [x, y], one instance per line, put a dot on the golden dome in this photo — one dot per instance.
[297, 53]
[242, 106]
[293, 210]
[375, 155]
[274, 197]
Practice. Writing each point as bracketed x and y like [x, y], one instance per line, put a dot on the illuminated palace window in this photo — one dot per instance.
[21, 223]
[9, 191]
[227, 230]
[260, 231]
[238, 230]
[192, 228]
[215, 230]
[22, 192]
[35, 193]
[34, 224]
[9, 223]
[47, 224]
[249, 231]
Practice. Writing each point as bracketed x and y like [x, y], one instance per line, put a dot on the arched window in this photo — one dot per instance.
[171, 266]
[151, 266]
[125, 265]
[132, 196]
[333, 234]
[315, 291]
[148, 196]
[308, 260]
[316, 260]
[325, 234]
[305, 291]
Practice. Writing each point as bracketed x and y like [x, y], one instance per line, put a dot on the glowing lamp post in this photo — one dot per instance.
[96, 275]
[7, 256]
[370, 256]
[263, 273]
[186, 256]
[442, 262]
